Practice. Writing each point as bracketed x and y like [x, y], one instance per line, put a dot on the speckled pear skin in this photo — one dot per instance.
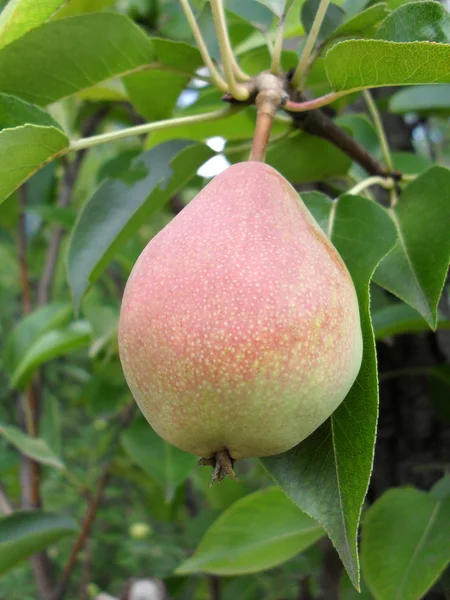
[239, 326]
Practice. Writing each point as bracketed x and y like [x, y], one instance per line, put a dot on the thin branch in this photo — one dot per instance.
[386, 182]
[126, 416]
[315, 122]
[103, 138]
[300, 71]
[216, 78]
[5, 505]
[64, 199]
[84, 533]
[278, 46]
[306, 105]
[376, 118]
[239, 92]
[22, 253]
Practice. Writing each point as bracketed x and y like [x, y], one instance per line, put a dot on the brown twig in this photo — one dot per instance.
[87, 568]
[64, 199]
[5, 504]
[332, 570]
[125, 418]
[84, 533]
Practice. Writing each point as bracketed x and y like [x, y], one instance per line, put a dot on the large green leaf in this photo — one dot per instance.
[405, 543]
[24, 533]
[29, 137]
[80, 7]
[357, 64]
[421, 99]
[399, 318]
[42, 67]
[415, 270]
[19, 16]
[31, 327]
[417, 22]
[154, 92]
[327, 475]
[256, 533]
[168, 465]
[119, 206]
[48, 346]
[34, 448]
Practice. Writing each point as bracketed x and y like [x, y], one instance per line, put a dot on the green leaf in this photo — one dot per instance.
[150, 181]
[34, 448]
[256, 533]
[48, 346]
[19, 16]
[14, 112]
[31, 327]
[417, 22]
[415, 270]
[358, 64]
[397, 319]
[277, 6]
[107, 45]
[364, 24]
[253, 11]
[154, 93]
[29, 138]
[327, 475]
[333, 18]
[168, 465]
[24, 533]
[79, 7]
[421, 99]
[405, 544]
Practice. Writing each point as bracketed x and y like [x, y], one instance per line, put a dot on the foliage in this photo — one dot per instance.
[109, 126]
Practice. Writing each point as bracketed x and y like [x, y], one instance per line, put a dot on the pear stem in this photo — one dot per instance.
[269, 99]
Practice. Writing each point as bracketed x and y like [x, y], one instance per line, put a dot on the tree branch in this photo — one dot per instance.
[5, 505]
[316, 123]
[65, 196]
[126, 416]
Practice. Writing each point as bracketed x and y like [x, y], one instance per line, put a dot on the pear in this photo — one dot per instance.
[239, 331]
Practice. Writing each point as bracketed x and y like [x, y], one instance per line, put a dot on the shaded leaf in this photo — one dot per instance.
[357, 64]
[333, 18]
[397, 319]
[24, 533]
[405, 543]
[328, 473]
[277, 6]
[168, 465]
[31, 327]
[107, 45]
[150, 181]
[415, 269]
[26, 148]
[363, 24]
[35, 448]
[19, 16]
[421, 99]
[417, 22]
[253, 11]
[256, 533]
[48, 346]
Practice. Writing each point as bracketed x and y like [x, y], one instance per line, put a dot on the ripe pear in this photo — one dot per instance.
[239, 329]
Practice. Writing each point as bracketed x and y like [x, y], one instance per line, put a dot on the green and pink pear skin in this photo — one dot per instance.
[239, 328]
